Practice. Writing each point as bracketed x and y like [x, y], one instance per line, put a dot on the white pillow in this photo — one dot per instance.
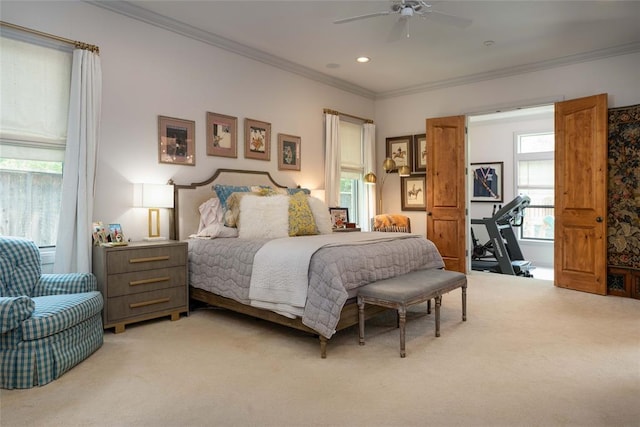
[264, 217]
[321, 214]
[216, 230]
[210, 213]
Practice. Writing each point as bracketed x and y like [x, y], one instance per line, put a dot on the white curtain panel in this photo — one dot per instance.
[73, 246]
[369, 133]
[332, 159]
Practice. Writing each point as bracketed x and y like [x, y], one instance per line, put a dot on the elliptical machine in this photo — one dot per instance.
[502, 254]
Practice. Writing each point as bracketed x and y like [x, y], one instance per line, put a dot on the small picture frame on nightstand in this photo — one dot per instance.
[116, 236]
[339, 217]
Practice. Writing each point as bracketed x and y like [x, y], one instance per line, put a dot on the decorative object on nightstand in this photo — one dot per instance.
[153, 197]
[141, 281]
[389, 166]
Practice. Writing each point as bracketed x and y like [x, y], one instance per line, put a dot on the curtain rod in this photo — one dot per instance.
[76, 44]
[338, 113]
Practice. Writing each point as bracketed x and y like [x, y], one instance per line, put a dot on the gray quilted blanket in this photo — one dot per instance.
[223, 267]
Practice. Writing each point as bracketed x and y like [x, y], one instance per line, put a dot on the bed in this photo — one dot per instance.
[307, 282]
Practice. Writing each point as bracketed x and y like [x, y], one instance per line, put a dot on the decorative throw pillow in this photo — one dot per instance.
[232, 214]
[210, 213]
[321, 215]
[293, 191]
[224, 191]
[301, 220]
[263, 217]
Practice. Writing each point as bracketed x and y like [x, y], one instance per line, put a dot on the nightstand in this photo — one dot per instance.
[141, 281]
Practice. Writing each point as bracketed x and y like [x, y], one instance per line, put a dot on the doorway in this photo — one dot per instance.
[492, 139]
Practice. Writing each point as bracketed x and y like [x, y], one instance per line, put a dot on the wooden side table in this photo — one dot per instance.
[141, 281]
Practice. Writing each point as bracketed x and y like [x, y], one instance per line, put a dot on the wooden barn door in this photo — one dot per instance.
[446, 185]
[581, 194]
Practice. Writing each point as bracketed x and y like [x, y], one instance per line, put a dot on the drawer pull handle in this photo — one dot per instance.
[146, 303]
[149, 259]
[147, 281]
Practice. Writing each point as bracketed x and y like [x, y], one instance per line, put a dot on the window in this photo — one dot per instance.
[351, 168]
[535, 178]
[34, 80]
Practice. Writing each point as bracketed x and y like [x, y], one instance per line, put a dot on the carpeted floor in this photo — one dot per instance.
[530, 354]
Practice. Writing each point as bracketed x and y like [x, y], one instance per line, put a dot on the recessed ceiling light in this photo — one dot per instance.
[363, 59]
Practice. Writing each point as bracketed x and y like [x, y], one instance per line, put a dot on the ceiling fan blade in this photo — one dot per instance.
[399, 30]
[355, 18]
[445, 18]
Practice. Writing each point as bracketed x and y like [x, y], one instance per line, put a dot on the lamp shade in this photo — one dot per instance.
[404, 171]
[152, 196]
[370, 178]
[388, 164]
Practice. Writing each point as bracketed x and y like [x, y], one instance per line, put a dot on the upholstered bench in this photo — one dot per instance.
[411, 288]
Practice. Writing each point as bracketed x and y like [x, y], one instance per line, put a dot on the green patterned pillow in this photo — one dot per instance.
[301, 220]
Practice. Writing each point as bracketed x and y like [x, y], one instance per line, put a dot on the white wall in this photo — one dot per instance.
[617, 76]
[149, 72]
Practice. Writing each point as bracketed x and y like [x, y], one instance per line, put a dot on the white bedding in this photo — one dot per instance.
[279, 279]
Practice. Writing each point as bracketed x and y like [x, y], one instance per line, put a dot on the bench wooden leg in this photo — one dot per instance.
[323, 347]
[361, 320]
[464, 303]
[429, 306]
[438, 303]
[402, 314]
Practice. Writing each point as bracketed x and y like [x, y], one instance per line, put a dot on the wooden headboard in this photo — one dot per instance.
[185, 217]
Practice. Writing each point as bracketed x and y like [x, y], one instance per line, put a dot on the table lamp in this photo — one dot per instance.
[153, 197]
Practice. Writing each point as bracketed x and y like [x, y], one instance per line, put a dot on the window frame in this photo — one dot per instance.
[518, 157]
[44, 147]
[357, 183]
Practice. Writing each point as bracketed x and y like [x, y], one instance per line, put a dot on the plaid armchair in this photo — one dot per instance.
[48, 322]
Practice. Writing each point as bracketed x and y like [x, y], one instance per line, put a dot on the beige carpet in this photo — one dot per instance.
[530, 354]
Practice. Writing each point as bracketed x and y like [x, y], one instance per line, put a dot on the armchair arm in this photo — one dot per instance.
[70, 283]
[14, 311]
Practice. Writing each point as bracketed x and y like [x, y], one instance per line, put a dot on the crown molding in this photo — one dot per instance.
[135, 12]
[624, 49]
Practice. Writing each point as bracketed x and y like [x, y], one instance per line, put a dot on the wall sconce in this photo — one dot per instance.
[153, 197]
[388, 165]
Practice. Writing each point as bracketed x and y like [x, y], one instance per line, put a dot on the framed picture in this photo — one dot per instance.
[288, 152]
[222, 135]
[257, 140]
[412, 189]
[99, 233]
[115, 234]
[339, 217]
[420, 153]
[487, 182]
[399, 150]
[177, 141]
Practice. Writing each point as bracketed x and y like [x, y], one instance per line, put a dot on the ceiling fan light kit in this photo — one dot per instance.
[406, 9]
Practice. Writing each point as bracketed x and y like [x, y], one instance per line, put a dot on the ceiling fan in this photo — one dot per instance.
[406, 9]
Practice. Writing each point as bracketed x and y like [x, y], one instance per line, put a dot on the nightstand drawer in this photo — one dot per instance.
[145, 281]
[147, 258]
[120, 308]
